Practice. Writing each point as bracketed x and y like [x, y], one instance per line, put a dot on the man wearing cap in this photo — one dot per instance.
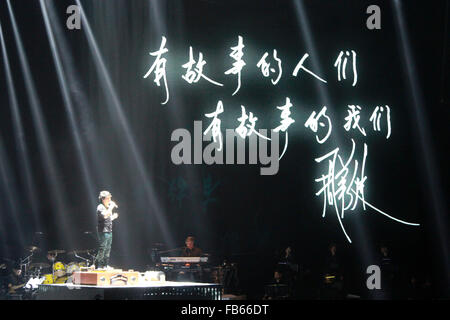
[105, 217]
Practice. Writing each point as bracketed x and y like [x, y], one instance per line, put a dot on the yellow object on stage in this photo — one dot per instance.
[48, 279]
[59, 266]
[51, 279]
[59, 269]
[60, 280]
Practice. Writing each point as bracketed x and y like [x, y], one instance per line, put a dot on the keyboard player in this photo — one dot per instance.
[191, 250]
[194, 272]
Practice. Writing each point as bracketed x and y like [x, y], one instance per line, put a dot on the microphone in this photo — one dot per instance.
[114, 204]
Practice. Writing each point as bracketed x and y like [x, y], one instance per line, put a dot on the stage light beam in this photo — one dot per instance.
[56, 189]
[69, 110]
[430, 171]
[117, 112]
[19, 135]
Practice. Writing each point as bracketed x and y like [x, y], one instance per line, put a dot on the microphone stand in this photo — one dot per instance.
[25, 262]
[87, 260]
[92, 257]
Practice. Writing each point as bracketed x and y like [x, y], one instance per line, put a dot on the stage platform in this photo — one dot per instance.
[164, 290]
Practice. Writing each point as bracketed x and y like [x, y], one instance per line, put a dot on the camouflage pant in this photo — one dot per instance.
[104, 250]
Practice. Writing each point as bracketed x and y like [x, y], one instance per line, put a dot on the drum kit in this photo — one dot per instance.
[55, 271]
[39, 266]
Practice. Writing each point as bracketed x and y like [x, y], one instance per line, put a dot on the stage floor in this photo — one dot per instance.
[154, 290]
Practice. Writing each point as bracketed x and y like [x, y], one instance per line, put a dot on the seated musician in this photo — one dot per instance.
[50, 260]
[47, 261]
[194, 273]
[15, 280]
[191, 250]
[333, 276]
[288, 266]
[278, 289]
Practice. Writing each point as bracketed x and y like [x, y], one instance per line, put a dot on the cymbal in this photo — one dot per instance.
[39, 265]
[32, 248]
[56, 251]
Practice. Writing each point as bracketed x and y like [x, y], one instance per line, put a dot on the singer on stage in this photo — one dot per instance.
[105, 217]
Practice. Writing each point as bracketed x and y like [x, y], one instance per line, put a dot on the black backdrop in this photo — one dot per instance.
[247, 217]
